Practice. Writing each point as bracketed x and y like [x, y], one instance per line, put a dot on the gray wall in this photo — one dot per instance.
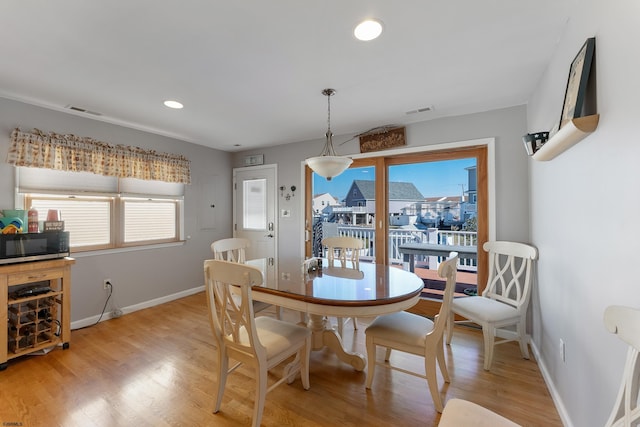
[584, 214]
[506, 125]
[142, 276]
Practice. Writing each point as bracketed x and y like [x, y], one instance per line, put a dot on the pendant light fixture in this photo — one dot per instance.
[328, 164]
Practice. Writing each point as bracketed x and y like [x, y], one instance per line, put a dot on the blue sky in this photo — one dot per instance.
[443, 178]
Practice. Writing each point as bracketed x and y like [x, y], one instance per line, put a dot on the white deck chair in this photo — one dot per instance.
[261, 342]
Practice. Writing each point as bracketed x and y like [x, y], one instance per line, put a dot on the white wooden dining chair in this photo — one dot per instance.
[625, 323]
[234, 250]
[504, 301]
[261, 342]
[345, 250]
[415, 334]
[619, 320]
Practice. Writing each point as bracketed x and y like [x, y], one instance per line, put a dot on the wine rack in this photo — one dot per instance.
[35, 306]
[32, 323]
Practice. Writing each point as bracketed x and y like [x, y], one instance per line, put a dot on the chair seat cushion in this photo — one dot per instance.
[277, 335]
[458, 412]
[402, 327]
[483, 309]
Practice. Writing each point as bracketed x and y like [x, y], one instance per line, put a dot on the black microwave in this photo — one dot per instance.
[33, 246]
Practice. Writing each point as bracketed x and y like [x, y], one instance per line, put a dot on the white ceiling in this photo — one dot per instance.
[250, 72]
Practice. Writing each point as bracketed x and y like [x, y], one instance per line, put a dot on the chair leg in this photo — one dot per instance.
[340, 321]
[432, 380]
[223, 367]
[355, 323]
[522, 339]
[449, 327]
[489, 333]
[305, 352]
[261, 392]
[371, 360]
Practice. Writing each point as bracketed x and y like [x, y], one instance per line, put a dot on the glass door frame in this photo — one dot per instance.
[381, 164]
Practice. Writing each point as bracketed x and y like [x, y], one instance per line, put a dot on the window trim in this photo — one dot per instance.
[116, 201]
[120, 202]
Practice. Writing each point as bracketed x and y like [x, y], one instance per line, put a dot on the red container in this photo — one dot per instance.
[33, 220]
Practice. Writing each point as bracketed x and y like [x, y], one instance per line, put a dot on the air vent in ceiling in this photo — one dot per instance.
[420, 110]
[82, 110]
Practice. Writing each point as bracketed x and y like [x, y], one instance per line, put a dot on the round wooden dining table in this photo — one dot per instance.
[342, 290]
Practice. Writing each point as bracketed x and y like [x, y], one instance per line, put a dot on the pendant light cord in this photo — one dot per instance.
[328, 148]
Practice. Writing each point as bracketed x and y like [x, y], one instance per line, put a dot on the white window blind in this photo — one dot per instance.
[105, 212]
[35, 179]
[88, 220]
[149, 220]
[155, 188]
[48, 180]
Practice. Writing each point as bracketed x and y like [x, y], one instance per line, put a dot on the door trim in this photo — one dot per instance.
[490, 185]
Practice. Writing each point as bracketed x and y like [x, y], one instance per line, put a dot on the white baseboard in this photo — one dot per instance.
[562, 411]
[130, 309]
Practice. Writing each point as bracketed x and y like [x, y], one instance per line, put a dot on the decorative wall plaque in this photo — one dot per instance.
[389, 138]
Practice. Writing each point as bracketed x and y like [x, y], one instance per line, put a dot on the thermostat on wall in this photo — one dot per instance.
[255, 160]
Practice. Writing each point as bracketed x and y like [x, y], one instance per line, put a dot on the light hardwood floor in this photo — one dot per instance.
[155, 367]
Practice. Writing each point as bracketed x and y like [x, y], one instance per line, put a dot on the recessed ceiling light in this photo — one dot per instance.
[173, 104]
[368, 29]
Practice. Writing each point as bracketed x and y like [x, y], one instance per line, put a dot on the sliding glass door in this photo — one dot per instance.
[437, 197]
[431, 204]
[344, 206]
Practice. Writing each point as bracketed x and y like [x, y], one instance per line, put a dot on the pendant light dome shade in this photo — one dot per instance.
[328, 164]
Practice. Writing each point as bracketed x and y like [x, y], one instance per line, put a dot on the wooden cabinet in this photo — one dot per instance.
[35, 306]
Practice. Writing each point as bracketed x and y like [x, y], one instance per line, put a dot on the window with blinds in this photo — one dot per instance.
[105, 212]
[87, 219]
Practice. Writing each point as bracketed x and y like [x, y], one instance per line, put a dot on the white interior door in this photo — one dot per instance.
[254, 193]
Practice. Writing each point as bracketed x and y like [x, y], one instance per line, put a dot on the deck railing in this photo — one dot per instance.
[399, 236]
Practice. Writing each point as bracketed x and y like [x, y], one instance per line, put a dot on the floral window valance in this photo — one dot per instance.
[83, 154]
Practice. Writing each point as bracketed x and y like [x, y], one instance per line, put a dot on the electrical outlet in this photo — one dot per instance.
[286, 276]
[107, 283]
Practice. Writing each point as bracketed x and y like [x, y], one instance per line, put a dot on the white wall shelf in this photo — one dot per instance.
[570, 134]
